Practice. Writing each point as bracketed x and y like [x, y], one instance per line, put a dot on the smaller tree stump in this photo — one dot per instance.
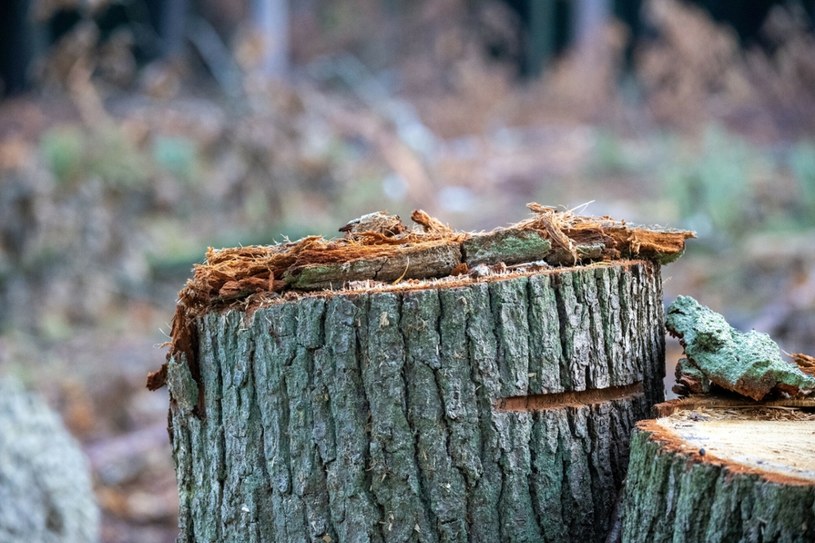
[721, 470]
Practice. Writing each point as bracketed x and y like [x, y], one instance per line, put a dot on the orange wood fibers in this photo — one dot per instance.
[540, 402]
[772, 443]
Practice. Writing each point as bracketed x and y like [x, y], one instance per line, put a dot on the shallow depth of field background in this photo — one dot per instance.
[132, 148]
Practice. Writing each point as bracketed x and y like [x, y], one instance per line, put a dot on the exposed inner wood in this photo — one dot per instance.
[540, 402]
[775, 443]
[733, 474]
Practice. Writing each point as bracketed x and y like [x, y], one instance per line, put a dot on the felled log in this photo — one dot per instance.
[488, 406]
[719, 470]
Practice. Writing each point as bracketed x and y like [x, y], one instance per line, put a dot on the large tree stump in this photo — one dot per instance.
[718, 470]
[416, 384]
[492, 408]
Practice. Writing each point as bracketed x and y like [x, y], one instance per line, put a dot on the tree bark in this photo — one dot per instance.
[490, 409]
[721, 474]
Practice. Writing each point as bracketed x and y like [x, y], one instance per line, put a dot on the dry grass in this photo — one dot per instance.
[697, 71]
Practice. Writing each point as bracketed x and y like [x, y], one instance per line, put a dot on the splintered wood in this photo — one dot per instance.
[377, 249]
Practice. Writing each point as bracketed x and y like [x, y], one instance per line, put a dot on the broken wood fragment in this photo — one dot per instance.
[428, 223]
[748, 364]
[378, 222]
[432, 259]
[710, 402]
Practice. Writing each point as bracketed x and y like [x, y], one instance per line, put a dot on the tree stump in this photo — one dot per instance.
[718, 470]
[495, 409]
[416, 384]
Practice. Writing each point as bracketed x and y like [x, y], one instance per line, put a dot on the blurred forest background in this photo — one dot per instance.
[135, 133]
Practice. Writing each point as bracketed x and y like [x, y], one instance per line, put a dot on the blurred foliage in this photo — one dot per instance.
[74, 153]
[728, 188]
[62, 150]
[802, 163]
[413, 115]
[713, 186]
[177, 155]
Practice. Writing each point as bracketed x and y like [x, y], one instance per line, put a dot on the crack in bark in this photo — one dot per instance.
[562, 318]
[541, 402]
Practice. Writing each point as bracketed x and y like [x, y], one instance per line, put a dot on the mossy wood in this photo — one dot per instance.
[720, 472]
[392, 414]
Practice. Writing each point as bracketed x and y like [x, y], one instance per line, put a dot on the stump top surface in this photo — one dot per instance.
[776, 443]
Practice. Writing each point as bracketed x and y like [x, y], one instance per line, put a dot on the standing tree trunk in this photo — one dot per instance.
[492, 408]
[722, 470]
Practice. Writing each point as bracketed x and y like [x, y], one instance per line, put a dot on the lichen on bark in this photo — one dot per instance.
[748, 363]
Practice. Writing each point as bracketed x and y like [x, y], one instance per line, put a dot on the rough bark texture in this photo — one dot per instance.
[672, 496]
[375, 416]
[45, 484]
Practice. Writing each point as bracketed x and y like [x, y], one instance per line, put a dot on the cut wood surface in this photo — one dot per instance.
[390, 414]
[719, 471]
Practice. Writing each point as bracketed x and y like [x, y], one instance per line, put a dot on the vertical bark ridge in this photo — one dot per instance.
[275, 352]
[310, 474]
[508, 300]
[619, 369]
[371, 416]
[462, 404]
[483, 350]
[353, 509]
[545, 353]
[442, 483]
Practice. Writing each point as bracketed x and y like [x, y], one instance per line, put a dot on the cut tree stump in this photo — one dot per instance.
[416, 385]
[720, 470]
[411, 415]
